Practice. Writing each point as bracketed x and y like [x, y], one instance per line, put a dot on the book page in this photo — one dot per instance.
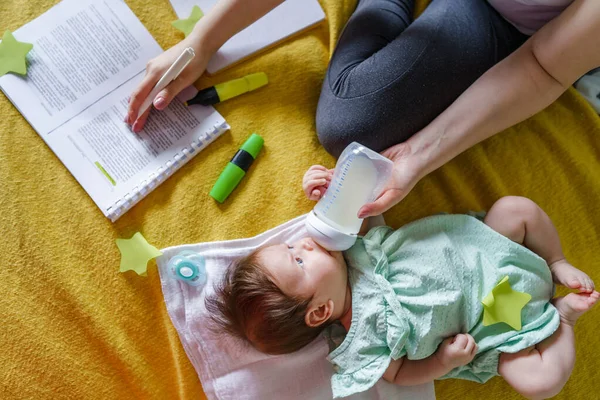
[82, 50]
[110, 161]
[290, 17]
[88, 57]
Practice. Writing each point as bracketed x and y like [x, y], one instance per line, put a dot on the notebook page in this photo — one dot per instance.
[90, 55]
[111, 162]
[83, 49]
[290, 17]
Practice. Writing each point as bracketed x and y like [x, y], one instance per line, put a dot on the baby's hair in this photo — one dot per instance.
[249, 305]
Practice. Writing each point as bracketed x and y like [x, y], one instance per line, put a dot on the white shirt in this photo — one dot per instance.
[530, 15]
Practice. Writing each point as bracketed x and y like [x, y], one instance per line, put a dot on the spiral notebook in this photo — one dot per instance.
[88, 57]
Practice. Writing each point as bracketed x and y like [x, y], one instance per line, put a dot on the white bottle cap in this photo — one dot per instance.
[326, 235]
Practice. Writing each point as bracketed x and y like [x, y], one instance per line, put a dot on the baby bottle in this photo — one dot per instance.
[188, 267]
[359, 177]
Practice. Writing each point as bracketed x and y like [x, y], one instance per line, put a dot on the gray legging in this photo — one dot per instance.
[389, 78]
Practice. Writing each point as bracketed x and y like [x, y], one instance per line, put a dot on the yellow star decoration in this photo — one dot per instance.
[135, 254]
[503, 304]
[187, 25]
[12, 55]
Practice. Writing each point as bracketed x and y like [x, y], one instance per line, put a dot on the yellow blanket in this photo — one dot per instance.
[74, 327]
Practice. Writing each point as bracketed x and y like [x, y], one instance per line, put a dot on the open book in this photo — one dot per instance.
[289, 18]
[88, 57]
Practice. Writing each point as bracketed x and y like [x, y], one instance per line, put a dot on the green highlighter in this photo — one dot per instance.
[236, 168]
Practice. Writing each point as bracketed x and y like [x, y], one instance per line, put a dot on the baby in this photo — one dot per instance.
[411, 300]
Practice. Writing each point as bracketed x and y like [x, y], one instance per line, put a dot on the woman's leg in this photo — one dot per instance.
[388, 78]
[542, 370]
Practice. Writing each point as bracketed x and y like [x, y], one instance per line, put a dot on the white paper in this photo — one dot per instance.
[82, 50]
[288, 18]
[99, 135]
[88, 57]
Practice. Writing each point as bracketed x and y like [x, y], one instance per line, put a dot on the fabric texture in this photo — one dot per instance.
[390, 74]
[528, 16]
[231, 369]
[74, 327]
[416, 286]
[589, 87]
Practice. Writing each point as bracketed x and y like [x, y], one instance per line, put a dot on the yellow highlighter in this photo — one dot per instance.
[227, 90]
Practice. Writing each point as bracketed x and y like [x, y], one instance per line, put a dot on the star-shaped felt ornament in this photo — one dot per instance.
[135, 254]
[12, 54]
[187, 25]
[503, 304]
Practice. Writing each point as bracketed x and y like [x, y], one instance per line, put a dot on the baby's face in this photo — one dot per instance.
[308, 270]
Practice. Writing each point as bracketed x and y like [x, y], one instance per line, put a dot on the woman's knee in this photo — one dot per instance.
[333, 135]
[340, 122]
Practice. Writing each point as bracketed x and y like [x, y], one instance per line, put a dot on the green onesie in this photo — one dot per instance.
[416, 286]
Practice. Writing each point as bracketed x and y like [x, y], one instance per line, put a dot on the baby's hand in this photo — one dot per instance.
[457, 351]
[316, 181]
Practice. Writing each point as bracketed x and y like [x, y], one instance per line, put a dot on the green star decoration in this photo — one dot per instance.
[187, 25]
[503, 304]
[135, 254]
[12, 55]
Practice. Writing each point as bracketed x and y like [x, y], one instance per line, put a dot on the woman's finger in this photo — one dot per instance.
[139, 123]
[166, 96]
[140, 94]
[386, 201]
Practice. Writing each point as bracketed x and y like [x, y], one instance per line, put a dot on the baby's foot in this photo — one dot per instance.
[573, 305]
[569, 276]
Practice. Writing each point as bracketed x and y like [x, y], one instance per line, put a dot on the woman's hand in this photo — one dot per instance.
[405, 176]
[224, 20]
[531, 78]
[155, 69]
[316, 181]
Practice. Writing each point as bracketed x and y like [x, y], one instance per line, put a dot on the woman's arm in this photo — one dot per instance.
[516, 88]
[521, 85]
[224, 20]
[227, 18]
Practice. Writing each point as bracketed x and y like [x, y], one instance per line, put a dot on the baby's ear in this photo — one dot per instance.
[317, 315]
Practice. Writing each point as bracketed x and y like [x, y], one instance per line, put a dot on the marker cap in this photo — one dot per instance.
[256, 80]
[233, 88]
[205, 97]
[253, 145]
